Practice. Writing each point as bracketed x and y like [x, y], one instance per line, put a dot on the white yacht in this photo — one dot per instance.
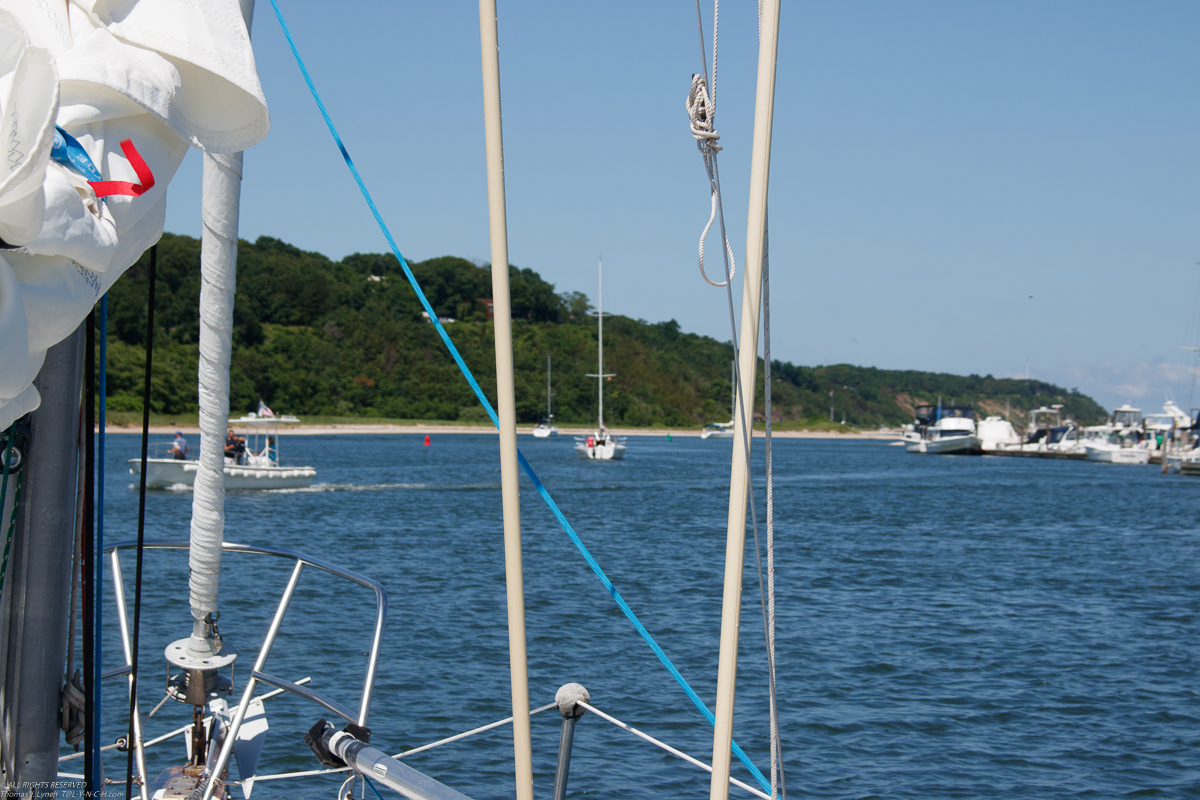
[601, 445]
[252, 462]
[996, 433]
[546, 428]
[1121, 441]
[942, 430]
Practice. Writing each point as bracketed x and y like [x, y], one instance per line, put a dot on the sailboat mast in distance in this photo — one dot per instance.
[600, 339]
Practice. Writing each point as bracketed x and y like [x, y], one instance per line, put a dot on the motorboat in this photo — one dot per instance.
[546, 428]
[1117, 446]
[601, 445]
[941, 430]
[1121, 441]
[996, 433]
[717, 430]
[252, 462]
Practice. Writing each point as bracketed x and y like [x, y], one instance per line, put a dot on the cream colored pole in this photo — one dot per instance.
[489, 48]
[735, 547]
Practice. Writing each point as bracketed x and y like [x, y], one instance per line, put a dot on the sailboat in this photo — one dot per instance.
[546, 428]
[724, 430]
[601, 445]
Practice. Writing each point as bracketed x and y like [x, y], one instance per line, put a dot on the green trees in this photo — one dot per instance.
[347, 338]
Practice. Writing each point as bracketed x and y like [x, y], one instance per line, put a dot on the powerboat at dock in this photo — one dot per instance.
[942, 430]
[252, 462]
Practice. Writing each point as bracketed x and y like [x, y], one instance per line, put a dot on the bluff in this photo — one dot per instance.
[313, 336]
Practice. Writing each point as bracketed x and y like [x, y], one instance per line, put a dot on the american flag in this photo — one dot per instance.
[263, 411]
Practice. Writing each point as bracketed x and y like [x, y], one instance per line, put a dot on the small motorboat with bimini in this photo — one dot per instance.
[251, 461]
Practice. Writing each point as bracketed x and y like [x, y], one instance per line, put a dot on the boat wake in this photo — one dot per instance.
[384, 487]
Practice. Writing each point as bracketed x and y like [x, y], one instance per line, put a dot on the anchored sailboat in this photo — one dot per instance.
[601, 445]
[546, 428]
[724, 430]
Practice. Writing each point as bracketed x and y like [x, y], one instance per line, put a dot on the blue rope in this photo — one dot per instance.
[367, 781]
[433, 318]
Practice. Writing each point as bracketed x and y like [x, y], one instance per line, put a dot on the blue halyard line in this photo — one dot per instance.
[612, 590]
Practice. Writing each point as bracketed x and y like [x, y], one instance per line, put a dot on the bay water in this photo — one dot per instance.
[948, 627]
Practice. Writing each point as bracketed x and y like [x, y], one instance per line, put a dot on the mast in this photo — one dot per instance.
[489, 48]
[735, 548]
[600, 339]
[549, 407]
[36, 608]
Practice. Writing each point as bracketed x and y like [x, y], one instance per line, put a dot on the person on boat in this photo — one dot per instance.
[179, 448]
[235, 446]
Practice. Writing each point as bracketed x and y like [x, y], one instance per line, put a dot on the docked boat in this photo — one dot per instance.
[546, 428]
[1122, 441]
[1117, 447]
[601, 445]
[252, 462]
[941, 430]
[995, 433]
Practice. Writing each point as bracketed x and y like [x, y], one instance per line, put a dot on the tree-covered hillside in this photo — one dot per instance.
[347, 338]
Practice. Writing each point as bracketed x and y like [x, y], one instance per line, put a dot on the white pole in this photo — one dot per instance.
[489, 48]
[735, 547]
[600, 341]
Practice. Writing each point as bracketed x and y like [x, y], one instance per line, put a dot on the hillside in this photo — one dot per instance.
[346, 338]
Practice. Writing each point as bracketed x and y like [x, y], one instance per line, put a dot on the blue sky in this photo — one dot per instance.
[956, 186]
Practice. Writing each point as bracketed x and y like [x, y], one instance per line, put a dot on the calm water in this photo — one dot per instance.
[948, 627]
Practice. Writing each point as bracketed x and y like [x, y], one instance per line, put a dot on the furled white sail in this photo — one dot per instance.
[218, 281]
[162, 75]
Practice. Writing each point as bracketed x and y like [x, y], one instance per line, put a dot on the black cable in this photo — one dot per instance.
[141, 530]
[87, 554]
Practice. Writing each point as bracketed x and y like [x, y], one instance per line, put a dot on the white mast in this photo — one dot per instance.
[489, 48]
[549, 406]
[735, 547]
[600, 339]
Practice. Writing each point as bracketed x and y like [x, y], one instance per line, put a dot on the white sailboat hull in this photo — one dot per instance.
[166, 473]
[722, 434]
[544, 433]
[611, 449]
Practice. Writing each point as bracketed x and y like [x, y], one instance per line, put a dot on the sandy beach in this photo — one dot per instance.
[433, 428]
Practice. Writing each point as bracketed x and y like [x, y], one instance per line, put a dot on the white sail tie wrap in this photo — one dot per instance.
[218, 282]
[163, 75]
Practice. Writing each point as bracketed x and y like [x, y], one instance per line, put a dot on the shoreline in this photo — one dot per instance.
[526, 430]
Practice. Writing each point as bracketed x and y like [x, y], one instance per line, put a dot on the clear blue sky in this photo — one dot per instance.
[956, 186]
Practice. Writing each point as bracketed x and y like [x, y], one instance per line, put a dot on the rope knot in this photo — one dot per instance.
[72, 709]
[700, 113]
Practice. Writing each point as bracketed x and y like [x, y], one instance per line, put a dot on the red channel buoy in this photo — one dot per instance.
[427, 440]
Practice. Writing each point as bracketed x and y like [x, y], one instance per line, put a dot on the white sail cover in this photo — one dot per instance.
[163, 74]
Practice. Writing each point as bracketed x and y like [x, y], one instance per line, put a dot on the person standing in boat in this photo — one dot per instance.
[235, 446]
[179, 448]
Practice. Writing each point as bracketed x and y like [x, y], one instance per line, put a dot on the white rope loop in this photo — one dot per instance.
[701, 110]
